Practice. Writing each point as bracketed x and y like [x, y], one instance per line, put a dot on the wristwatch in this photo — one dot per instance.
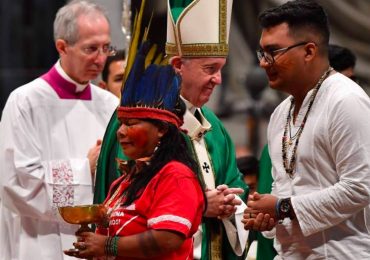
[285, 209]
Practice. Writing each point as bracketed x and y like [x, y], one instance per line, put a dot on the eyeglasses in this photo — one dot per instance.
[92, 50]
[269, 56]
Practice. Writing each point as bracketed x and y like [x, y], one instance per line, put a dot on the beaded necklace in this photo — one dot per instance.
[289, 166]
[128, 171]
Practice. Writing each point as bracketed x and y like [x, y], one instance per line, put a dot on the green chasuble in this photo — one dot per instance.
[265, 247]
[222, 153]
[221, 150]
[107, 167]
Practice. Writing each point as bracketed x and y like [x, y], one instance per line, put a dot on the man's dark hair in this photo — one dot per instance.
[301, 16]
[120, 55]
[341, 58]
[248, 165]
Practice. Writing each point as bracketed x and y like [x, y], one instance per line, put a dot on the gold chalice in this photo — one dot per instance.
[83, 215]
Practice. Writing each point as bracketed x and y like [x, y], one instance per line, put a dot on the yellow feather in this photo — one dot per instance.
[146, 31]
[150, 56]
[134, 41]
[134, 44]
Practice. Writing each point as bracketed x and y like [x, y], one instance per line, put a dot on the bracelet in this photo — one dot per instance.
[106, 246]
[111, 246]
[115, 245]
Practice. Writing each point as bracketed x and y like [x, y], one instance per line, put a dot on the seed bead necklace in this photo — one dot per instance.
[289, 166]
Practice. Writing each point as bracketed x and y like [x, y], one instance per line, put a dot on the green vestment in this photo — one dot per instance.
[265, 246]
[221, 149]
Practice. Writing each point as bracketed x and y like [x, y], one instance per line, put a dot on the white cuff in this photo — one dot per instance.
[237, 235]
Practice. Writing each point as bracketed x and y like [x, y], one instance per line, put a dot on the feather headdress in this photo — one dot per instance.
[150, 90]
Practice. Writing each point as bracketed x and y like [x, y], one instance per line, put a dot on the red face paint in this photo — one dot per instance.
[137, 138]
[138, 135]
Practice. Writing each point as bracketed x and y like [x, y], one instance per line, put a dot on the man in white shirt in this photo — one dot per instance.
[50, 139]
[318, 140]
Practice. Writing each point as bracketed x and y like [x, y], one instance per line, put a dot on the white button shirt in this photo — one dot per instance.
[330, 189]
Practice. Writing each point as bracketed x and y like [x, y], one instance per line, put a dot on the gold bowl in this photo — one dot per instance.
[83, 214]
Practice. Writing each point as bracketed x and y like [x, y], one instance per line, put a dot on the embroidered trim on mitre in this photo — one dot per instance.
[199, 50]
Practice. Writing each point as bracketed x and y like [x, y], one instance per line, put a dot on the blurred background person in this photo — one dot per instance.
[265, 246]
[112, 74]
[249, 167]
[342, 60]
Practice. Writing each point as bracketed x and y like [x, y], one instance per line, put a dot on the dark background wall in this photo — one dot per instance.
[26, 32]
[26, 41]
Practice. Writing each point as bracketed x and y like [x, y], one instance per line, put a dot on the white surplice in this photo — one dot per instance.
[44, 141]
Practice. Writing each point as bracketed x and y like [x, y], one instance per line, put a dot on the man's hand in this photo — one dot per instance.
[260, 214]
[222, 201]
[259, 222]
[265, 203]
[93, 155]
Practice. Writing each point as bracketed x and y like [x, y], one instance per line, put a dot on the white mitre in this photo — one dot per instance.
[199, 29]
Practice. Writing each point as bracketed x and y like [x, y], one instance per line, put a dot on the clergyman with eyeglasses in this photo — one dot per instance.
[50, 138]
[318, 141]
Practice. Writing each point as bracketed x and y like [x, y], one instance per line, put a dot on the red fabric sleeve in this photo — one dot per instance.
[176, 200]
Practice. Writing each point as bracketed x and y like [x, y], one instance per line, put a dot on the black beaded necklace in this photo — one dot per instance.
[286, 142]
